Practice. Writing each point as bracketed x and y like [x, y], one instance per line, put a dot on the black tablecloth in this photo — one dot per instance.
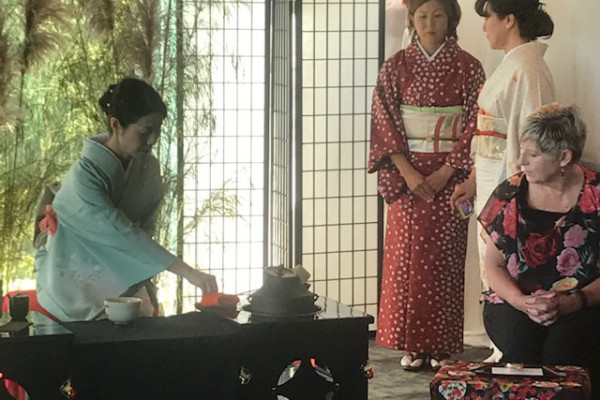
[192, 325]
[189, 356]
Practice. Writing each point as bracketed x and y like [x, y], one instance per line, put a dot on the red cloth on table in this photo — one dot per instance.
[219, 299]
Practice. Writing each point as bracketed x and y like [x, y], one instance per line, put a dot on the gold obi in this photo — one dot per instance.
[490, 139]
[431, 129]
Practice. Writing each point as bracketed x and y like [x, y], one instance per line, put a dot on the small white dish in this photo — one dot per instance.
[122, 310]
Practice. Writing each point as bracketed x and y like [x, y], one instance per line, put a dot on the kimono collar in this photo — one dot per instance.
[425, 54]
[533, 47]
[95, 150]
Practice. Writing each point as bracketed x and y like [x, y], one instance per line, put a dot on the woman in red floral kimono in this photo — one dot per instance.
[542, 254]
[423, 118]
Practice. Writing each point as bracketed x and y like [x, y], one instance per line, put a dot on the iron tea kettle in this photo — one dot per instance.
[283, 294]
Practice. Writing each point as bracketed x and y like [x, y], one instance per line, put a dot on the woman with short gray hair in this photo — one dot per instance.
[556, 128]
[543, 249]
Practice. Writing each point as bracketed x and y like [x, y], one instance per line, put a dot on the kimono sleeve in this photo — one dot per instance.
[387, 131]
[460, 156]
[148, 224]
[528, 90]
[144, 193]
[103, 231]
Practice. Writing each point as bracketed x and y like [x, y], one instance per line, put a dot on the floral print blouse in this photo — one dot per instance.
[541, 248]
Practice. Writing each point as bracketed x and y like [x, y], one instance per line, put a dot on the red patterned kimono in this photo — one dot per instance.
[421, 305]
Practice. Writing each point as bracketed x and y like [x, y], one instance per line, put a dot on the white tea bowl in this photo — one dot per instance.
[122, 310]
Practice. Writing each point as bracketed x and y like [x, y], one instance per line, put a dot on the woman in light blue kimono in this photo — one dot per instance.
[102, 243]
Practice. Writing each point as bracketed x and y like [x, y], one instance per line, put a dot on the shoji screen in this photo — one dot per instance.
[281, 146]
[222, 84]
[340, 58]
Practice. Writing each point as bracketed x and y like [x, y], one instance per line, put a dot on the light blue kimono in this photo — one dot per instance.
[103, 243]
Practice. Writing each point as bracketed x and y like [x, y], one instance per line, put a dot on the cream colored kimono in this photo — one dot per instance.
[519, 85]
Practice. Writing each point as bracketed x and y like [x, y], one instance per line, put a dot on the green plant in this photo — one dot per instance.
[31, 38]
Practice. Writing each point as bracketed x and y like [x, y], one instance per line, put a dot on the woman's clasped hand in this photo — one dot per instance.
[545, 307]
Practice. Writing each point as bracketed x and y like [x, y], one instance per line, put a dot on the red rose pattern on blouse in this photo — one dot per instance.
[537, 256]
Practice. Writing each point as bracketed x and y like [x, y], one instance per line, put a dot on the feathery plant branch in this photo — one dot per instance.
[6, 70]
[102, 15]
[39, 37]
[165, 50]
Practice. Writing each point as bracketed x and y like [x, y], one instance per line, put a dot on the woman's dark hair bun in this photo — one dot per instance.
[544, 26]
[533, 21]
[131, 99]
[107, 99]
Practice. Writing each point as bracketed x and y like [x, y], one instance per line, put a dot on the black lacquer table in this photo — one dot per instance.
[198, 355]
[37, 357]
[327, 352]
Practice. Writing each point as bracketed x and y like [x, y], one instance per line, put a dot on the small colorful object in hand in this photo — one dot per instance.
[219, 299]
[565, 285]
[465, 209]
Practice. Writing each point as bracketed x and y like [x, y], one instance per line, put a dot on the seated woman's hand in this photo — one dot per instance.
[543, 307]
[206, 282]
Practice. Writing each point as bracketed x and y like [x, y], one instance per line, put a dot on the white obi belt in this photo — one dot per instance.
[490, 139]
[431, 129]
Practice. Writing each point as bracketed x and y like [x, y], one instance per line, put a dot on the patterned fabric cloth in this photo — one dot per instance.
[541, 250]
[423, 271]
[473, 381]
[102, 245]
[452, 78]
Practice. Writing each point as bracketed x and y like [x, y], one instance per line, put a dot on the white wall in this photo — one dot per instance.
[574, 59]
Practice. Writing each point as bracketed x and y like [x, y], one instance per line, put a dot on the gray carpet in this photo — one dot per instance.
[391, 382]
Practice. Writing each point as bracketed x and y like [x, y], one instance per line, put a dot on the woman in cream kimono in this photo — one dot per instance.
[423, 117]
[101, 220]
[519, 85]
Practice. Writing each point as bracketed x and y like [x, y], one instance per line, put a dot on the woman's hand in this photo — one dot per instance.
[415, 181]
[206, 282]
[439, 178]
[546, 308]
[463, 191]
[419, 185]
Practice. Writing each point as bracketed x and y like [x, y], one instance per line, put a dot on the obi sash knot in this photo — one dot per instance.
[490, 138]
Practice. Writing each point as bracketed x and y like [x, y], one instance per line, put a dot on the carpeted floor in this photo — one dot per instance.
[391, 382]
